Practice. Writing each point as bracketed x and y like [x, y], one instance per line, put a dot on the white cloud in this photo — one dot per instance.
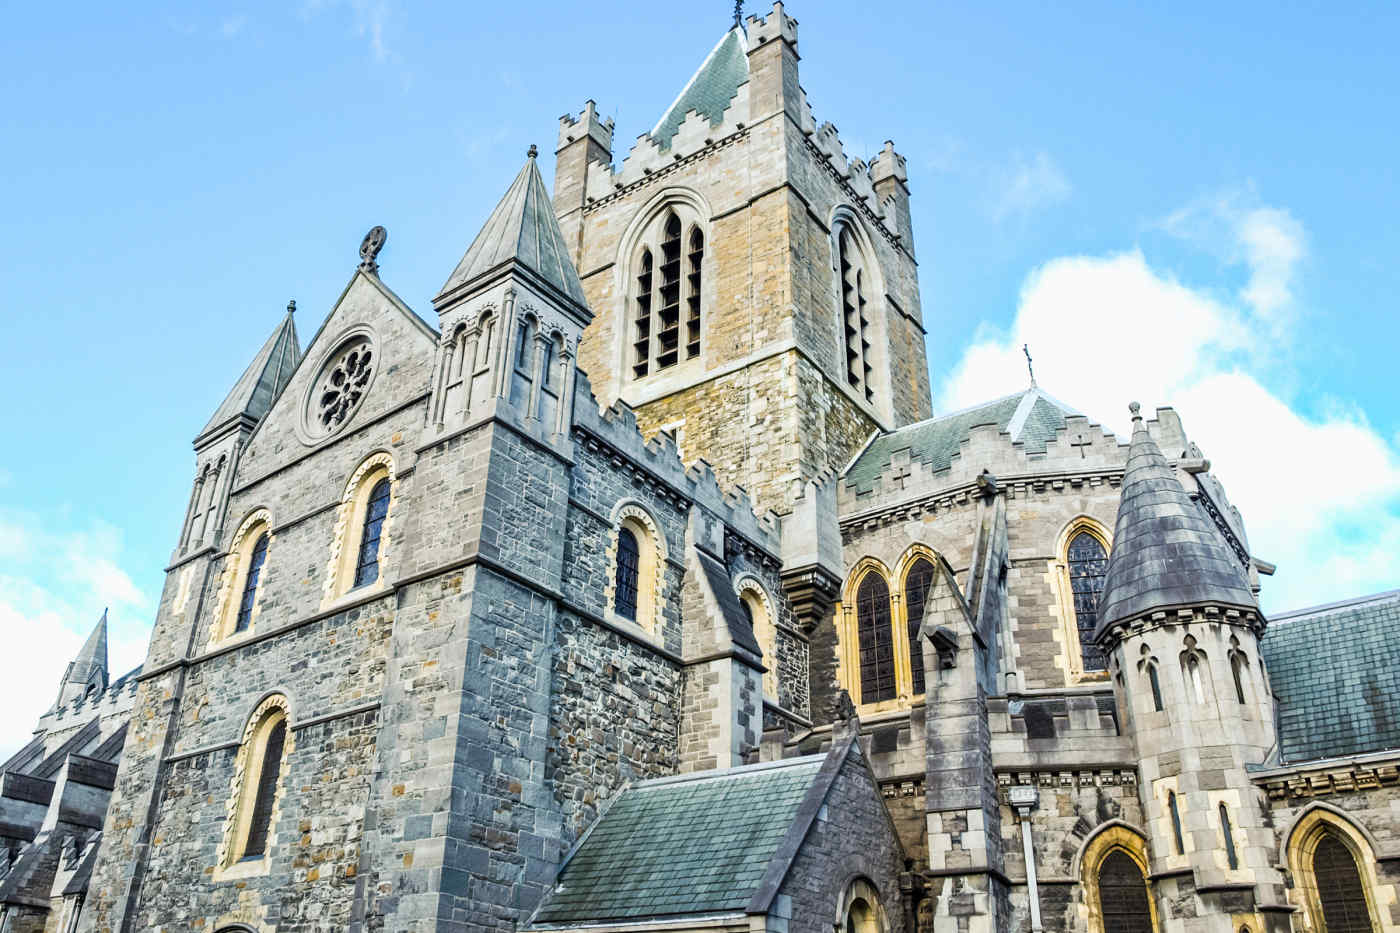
[1318, 487]
[369, 19]
[1027, 185]
[54, 586]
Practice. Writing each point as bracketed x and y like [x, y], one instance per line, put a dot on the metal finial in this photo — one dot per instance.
[292, 306]
[1026, 349]
[738, 13]
[1135, 408]
[370, 247]
[531, 152]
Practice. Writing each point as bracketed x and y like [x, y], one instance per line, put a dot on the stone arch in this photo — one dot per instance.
[254, 525]
[1113, 836]
[849, 633]
[844, 218]
[349, 527]
[1069, 631]
[859, 908]
[651, 571]
[909, 617]
[1299, 844]
[272, 709]
[753, 596]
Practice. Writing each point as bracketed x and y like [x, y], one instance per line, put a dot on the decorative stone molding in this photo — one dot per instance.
[235, 822]
[232, 578]
[651, 581]
[348, 519]
[324, 413]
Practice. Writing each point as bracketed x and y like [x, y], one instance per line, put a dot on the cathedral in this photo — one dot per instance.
[635, 586]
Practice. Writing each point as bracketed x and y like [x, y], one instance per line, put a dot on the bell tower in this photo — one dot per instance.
[755, 289]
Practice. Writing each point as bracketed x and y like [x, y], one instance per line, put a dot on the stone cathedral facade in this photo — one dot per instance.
[635, 586]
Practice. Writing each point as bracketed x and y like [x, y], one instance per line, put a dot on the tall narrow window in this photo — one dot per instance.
[524, 363]
[1231, 857]
[641, 323]
[269, 771]
[1088, 565]
[1123, 895]
[250, 584]
[855, 315]
[367, 566]
[1339, 887]
[877, 681]
[1176, 823]
[695, 256]
[1193, 674]
[916, 586]
[668, 333]
[628, 562]
[1237, 669]
[1156, 687]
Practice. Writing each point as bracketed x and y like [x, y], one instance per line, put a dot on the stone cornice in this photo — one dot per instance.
[1331, 776]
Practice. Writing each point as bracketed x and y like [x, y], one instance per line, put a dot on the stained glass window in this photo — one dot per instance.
[1123, 895]
[1339, 888]
[268, 773]
[250, 584]
[628, 564]
[916, 586]
[1087, 566]
[367, 567]
[876, 637]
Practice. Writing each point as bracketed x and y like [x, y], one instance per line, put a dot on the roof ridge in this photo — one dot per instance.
[738, 771]
[1295, 614]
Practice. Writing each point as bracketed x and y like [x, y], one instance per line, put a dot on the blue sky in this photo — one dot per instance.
[1190, 204]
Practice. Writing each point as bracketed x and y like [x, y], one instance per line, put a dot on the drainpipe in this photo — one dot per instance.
[1024, 798]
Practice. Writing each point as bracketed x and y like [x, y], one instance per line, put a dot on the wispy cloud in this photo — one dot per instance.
[1109, 329]
[368, 19]
[1027, 184]
[232, 25]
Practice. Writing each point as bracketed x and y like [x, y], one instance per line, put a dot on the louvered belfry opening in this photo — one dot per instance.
[641, 338]
[854, 315]
[261, 820]
[669, 291]
[1088, 565]
[916, 586]
[695, 256]
[1339, 888]
[1123, 895]
[876, 640]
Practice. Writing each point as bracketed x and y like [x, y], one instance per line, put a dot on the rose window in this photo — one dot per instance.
[343, 385]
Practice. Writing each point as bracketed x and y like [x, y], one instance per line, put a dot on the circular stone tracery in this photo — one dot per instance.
[342, 386]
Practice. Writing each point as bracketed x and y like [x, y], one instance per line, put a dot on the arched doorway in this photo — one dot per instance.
[1123, 895]
[1339, 887]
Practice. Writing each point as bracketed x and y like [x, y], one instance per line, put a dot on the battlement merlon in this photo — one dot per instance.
[586, 125]
[776, 25]
[890, 179]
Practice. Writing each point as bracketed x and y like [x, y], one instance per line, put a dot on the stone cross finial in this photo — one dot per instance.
[292, 306]
[531, 152]
[1081, 443]
[370, 247]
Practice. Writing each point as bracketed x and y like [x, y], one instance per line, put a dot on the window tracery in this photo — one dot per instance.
[343, 384]
[666, 290]
[875, 639]
[917, 581]
[1087, 561]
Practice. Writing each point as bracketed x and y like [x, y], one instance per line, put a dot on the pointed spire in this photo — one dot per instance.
[1166, 553]
[264, 379]
[521, 229]
[710, 90]
[93, 656]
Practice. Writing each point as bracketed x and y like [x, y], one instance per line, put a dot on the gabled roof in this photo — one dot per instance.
[522, 229]
[1335, 671]
[254, 392]
[1030, 417]
[1166, 552]
[709, 90]
[695, 844]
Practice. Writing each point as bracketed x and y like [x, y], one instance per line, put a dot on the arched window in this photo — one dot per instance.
[855, 315]
[1339, 887]
[916, 586]
[1176, 823]
[1236, 663]
[753, 599]
[1232, 857]
[875, 636]
[859, 909]
[628, 561]
[1087, 562]
[257, 785]
[641, 319]
[1193, 676]
[1156, 684]
[367, 565]
[269, 772]
[1123, 895]
[524, 365]
[861, 917]
[250, 584]
[695, 256]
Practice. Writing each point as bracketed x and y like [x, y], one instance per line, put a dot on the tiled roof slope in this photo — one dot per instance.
[710, 89]
[264, 378]
[935, 442]
[674, 846]
[1335, 671]
[1166, 552]
[522, 228]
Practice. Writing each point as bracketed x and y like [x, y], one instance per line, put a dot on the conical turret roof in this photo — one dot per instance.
[1166, 553]
[255, 391]
[522, 229]
[93, 656]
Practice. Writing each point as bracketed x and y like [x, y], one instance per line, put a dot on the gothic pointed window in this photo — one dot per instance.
[665, 254]
[523, 374]
[695, 255]
[641, 322]
[250, 584]
[367, 564]
[875, 635]
[1339, 887]
[916, 586]
[625, 586]
[269, 772]
[1193, 676]
[1088, 565]
[668, 332]
[855, 313]
[1176, 823]
[1156, 684]
[1123, 895]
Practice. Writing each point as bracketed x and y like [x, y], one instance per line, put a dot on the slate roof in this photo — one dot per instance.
[1030, 417]
[1335, 671]
[710, 89]
[255, 391]
[1166, 552]
[697, 844]
[93, 656]
[521, 228]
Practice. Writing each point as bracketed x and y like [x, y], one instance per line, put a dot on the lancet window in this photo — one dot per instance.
[876, 639]
[667, 293]
[854, 283]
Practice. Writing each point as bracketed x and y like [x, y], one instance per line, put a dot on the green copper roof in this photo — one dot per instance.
[1335, 671]
[674, 846]
[1030, 417]
[710, 89]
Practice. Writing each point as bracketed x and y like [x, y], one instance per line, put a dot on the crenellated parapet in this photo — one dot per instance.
[586, 125]
[776, 25]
